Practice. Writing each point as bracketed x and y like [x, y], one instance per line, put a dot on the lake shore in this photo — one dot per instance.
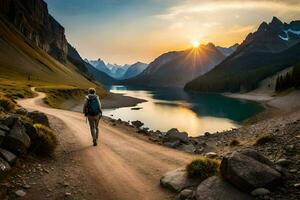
[114, 101]
[287, 102]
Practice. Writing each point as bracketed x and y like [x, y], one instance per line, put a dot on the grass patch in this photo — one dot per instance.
[234, 142]
[63, 97]
[202, 168]
[264, 139]
[46, 141]
[7, 104]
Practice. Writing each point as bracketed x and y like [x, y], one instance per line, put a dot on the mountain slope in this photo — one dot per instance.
[261, 54]
[228, 51]
[174, 69]
[25, 58]
[134, 70]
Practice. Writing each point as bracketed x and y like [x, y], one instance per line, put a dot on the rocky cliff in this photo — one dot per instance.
[32, 20]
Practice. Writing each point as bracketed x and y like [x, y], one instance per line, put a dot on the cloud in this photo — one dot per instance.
[209, 6]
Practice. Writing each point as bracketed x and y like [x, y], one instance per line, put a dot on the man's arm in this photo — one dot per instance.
[85, 106]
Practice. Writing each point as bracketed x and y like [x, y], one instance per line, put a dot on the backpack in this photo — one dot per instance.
[93, 107]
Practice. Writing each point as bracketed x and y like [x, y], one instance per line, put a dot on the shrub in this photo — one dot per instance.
[7, 104]
[234, 142]
[46, 141]
[264, 139]
[202, 168]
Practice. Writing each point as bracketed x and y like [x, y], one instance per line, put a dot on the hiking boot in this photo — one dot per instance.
[95, 143]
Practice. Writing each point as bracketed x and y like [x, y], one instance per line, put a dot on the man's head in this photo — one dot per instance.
[92, 91]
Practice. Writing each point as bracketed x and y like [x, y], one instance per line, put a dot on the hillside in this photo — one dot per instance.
[174, 69]
[28, 56]
[272, 48]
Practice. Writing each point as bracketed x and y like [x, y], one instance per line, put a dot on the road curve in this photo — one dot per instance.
[121, 166]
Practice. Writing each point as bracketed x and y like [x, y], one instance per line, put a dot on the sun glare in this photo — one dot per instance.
[195, 43]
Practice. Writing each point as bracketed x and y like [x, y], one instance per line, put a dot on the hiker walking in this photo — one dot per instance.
[92, 110]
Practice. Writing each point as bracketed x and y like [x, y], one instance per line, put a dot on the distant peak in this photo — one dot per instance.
[263, 26]
[210, 44]
[276, 21]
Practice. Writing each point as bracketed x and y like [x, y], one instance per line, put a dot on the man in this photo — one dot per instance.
[92, 110]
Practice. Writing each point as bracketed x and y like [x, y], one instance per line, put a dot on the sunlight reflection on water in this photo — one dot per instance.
[160, 114]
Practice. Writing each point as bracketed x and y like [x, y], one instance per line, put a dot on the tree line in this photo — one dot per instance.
[289, 80]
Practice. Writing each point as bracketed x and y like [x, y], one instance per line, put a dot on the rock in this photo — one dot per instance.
[247, 174]
[20, 193]
[4, 168]
[215, 188]
[185, 194]
[257, 156]
[4, 128]
[26, 186]
[137, 123]
[31, 132]
[17, 141]
[211, 155]
[178, 180]
[2, 136]
[21, 111]
[172, 144]
[206, 134]
[8, 156]
[297, 185]
[187, 148]
[38, 117]
[173, 135]
[293, 170]
[68, 194]
[260, 192]
[283, 162]
[9, 120]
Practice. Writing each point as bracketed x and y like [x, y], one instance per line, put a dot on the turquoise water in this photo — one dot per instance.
[189, 112]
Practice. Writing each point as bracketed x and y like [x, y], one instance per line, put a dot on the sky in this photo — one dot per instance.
[127, 31]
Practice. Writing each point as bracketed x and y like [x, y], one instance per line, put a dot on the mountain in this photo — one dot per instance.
[117, 71]
[33, 47]
[92, 72]
[99, 65]
[227, 51]
[134, 70]
[175, 69]
[273, 47]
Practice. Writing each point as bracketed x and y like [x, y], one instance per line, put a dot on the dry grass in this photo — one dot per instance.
[6, 104]
[202, 168]
[46, 141]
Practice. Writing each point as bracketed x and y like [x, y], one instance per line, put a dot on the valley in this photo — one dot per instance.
[214, 119]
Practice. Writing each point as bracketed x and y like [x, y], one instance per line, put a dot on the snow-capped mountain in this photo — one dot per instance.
[118, 71]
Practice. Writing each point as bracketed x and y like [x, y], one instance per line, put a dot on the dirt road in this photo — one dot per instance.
[121, 166]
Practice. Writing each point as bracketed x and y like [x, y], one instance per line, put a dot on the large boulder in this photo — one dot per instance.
[215, 188]
[9, 120]
[173, 135]
[178, 180]
[187, 148]
[17, 141]
[31, 132]
[4, 168]
[249, 171]
[38, 117]
[8, 156]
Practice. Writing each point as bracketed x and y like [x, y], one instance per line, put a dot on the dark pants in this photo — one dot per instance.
[94, 122]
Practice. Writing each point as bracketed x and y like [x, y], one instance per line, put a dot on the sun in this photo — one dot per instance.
[195, 43]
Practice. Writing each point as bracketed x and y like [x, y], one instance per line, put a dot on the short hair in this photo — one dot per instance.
[92, 91]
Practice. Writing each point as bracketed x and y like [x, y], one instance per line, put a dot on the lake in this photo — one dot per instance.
[194, 113]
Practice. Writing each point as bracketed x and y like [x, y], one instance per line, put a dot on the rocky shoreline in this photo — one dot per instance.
[280, 136]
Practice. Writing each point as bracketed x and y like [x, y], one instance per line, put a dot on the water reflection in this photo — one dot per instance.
[193, 113]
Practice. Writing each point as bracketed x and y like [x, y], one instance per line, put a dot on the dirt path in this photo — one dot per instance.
[121, 166]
